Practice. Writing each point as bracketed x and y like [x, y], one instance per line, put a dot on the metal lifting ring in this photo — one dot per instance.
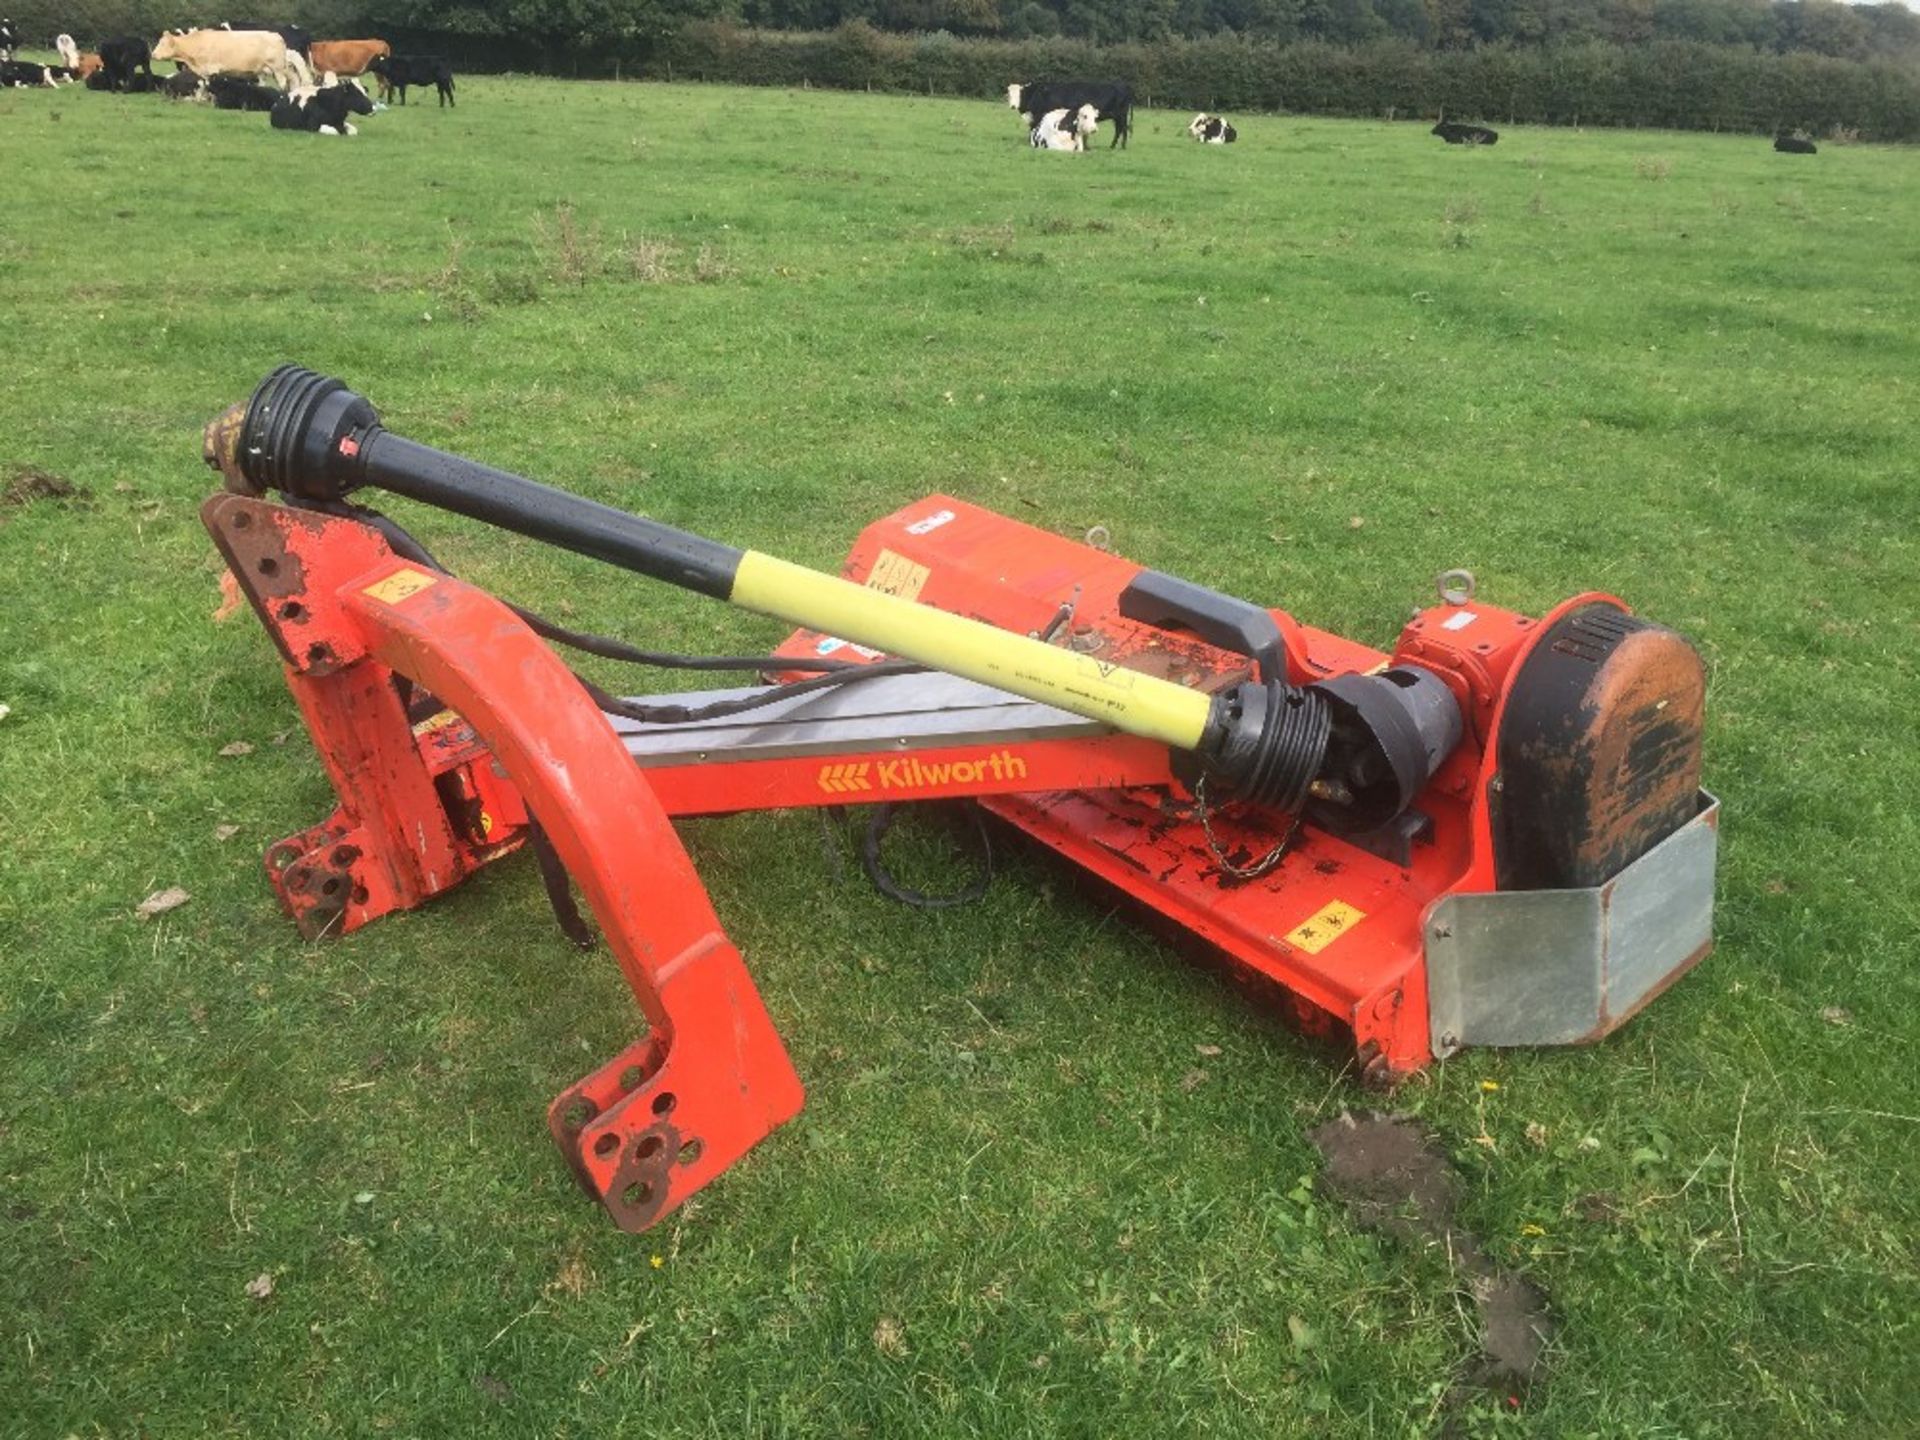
[1455, 586]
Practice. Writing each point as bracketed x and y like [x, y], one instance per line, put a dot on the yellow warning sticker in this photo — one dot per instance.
[437, 721]
[399, 585]
[896, 575]
[1324, 927]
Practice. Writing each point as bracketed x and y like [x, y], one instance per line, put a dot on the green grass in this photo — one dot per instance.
[1680, 368]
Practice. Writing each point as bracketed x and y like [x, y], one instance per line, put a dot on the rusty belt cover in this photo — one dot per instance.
[1599, 750]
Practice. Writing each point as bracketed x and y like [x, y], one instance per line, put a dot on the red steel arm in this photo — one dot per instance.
[710, 1078]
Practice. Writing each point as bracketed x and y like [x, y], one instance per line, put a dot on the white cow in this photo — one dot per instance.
[251, 53]
[1057, 130]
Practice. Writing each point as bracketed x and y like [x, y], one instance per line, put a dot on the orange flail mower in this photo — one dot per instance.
[1493, 835]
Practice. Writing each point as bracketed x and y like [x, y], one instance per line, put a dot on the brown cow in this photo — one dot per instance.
[347, 57]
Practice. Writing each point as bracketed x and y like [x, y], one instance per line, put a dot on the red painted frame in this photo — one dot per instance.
[430, 792]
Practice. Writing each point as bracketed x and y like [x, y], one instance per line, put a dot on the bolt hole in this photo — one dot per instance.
[293, 610]
[283, 858]
[606, 1144]
[297, 879]
[649, 1147]
[1483, 647]
[318, 654]
[690, 1152]
[637, 1194]
[577, 1114]
[332, 887]
[664, 1102]
[359, 894]
[242, 520]
[269, 565]
[344, 856]
[630, 1077]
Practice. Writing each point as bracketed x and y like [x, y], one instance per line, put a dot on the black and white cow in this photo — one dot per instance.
[236, 92]
[1112, 102]
[1212, 130]
[322, 109]
[123, 57]
[22, 75]
[9, 40]
[1795, 145]
[1064, 130]
[397, 72]
[183, 85]
[1454, 134]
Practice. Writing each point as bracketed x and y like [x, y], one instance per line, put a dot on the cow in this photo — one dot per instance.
[250, 53]
[397, 72]
[296, 39]
[9, 39]
[184, 85]
[347, 57]
[22, 74]
[1113, 102]
[124, 57]
[322, 109]
[84, 67]
[1794, 145]
[1212, 130]
[1455, 134]
[1061, 130]
[236, 92]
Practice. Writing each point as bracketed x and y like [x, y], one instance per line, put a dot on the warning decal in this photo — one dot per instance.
[1324, 927]
[896, 575]
[399, 585]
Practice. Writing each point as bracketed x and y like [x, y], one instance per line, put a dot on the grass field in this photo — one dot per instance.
[1314, 369]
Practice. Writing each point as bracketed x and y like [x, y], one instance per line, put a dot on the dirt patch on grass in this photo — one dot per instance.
[1393, 1177]
[28, 483]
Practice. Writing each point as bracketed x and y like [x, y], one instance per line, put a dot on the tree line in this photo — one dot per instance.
[1780, 27]
[1822, 27]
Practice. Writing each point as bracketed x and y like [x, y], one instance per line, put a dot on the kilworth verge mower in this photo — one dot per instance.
[1493, 835]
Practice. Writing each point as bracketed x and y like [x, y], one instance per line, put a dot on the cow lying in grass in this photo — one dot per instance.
[184, 85]
[1795, 145]
[1059, 130]
[1455, 134]
[235, 92]
[1212, 130]
[322, 109]
[20, 74]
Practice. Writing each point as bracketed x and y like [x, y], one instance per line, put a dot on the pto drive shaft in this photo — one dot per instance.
[311, 438]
